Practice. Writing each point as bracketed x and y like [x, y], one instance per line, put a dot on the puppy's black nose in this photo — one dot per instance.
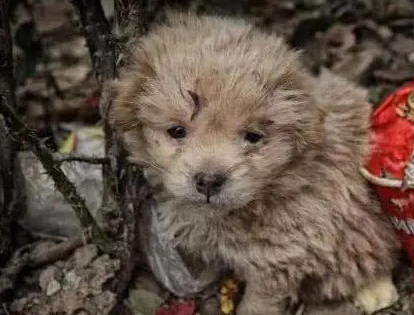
[209, 184]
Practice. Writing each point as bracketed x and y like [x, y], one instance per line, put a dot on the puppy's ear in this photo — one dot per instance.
[309, 131]
[123, 112]
[295, 110]
[125, 92]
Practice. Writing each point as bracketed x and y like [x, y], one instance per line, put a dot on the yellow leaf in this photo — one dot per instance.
[224, 290]
[231, 283]
[227, 307]
[69, 145]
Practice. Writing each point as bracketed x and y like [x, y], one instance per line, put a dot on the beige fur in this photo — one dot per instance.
[294, 218]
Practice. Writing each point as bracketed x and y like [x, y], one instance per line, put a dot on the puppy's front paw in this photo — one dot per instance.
[376, 295]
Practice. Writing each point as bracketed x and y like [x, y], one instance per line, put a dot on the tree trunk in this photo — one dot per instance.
[11, 193]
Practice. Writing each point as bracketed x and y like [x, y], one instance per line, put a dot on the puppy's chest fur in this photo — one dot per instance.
[202, 233]
[242, 240]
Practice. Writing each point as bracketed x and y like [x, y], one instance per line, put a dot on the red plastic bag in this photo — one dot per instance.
[391, 159]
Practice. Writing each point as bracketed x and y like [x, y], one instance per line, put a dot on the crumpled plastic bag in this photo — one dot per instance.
[49, 214]
[47, 211]
[170, 267]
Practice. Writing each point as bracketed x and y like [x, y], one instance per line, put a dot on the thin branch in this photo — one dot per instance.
[121, 180]
[102, 52]
[5, 309]
[19, 130]
[98, 38]
[135, 17]
[60, 158]
[135, 196]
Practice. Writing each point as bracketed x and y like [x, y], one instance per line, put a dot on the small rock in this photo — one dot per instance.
[104, 268]
[210, 306]
[145, 295]
[357, 66]
[52, 287]
[67, 302]
[105, 301]
[36, 301]
[47, 280]
[70, 77]
[402, 45]
[146, 280]
[385, 32]
[411, 57]
[72, 279]
[52, 16]
[85, 255]
[18, 305]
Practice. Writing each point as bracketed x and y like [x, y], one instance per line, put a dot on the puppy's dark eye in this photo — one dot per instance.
[253, 137]
[177, 132]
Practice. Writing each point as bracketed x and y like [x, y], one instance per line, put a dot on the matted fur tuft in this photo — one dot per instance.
[294, 217]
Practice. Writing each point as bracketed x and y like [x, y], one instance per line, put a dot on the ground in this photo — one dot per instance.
[369, 42]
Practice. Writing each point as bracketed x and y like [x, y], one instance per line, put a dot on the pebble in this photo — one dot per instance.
[411, 57]
[72, 279]
[85, 255]
[48, 282]
[53, 287]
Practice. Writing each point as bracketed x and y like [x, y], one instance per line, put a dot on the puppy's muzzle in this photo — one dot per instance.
[209, 184]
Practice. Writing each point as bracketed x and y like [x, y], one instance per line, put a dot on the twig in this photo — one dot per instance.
[121, 180]
[134, 201]
[133, 18]
[98, 38]
[29, 257]
[62, 183]
[5, 309]
[60, 158]
[102, 51]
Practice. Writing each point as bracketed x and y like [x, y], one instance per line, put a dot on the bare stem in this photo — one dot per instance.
[102, 50]
[60, 158]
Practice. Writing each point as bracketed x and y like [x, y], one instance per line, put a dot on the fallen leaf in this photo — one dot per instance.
[70, 144]
[228, 291]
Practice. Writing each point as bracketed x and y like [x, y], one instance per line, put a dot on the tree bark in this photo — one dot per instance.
[124, 186]
[11, 180]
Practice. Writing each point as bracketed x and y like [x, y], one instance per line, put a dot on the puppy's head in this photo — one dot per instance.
[220, 125]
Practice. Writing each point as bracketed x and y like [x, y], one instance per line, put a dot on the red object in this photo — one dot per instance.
[392, 142]
[186, 307]
[93, 101]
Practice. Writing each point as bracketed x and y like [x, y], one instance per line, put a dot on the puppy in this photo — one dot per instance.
[258, 163]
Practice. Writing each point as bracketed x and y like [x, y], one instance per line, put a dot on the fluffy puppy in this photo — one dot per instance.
[258, 162]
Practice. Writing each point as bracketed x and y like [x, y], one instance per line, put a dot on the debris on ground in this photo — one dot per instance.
[68, 286]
